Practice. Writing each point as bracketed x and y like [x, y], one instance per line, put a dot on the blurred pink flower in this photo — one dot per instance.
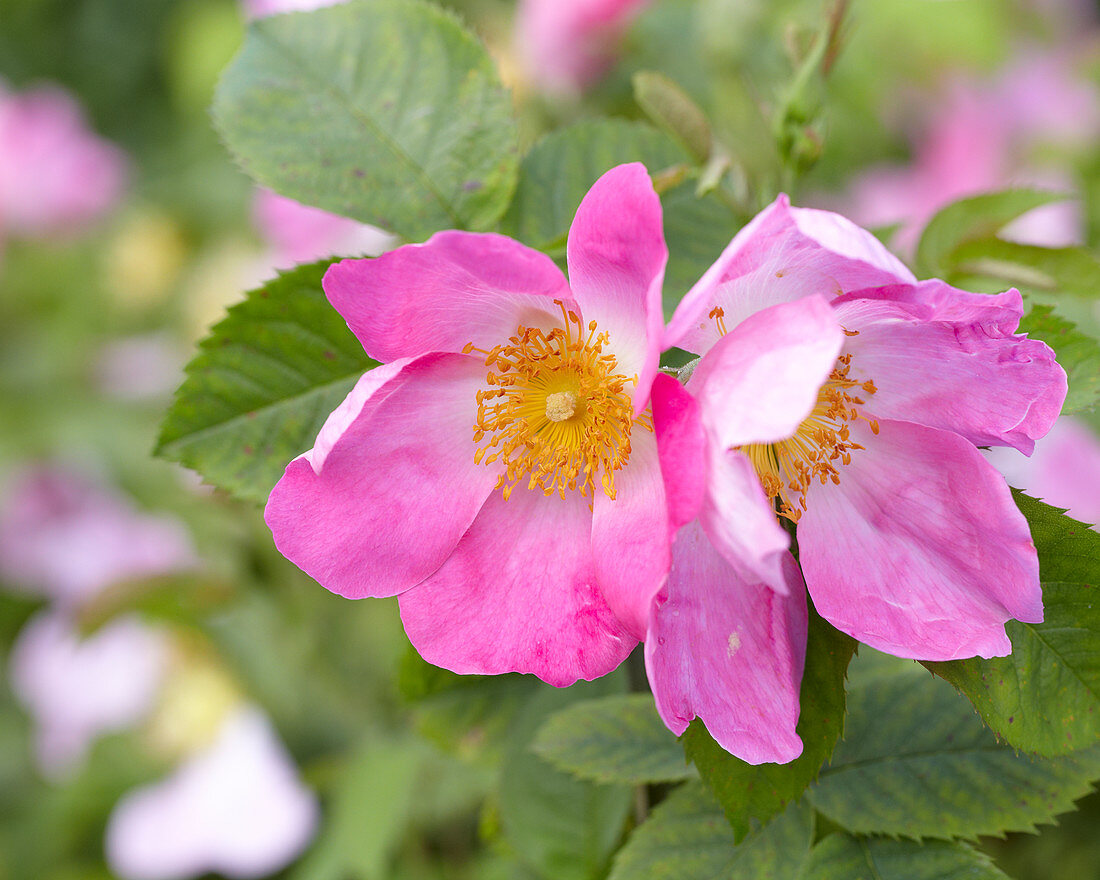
[1064, 470]
[56, 175]
[262, 8]
[499, 471]
[852, 398]
[66, 537]
[983, 137]
[79, 688]
[566, 45]
[236, 808]
[298, 233]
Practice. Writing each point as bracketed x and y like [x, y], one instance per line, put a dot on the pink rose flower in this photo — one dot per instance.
[566, 45]
[299, 233]
[499, 472]
[851, 399]
[56, 176]
[66, 537]
[237, 808]
[1064, 471]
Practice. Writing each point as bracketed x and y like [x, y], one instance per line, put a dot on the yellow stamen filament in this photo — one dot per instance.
[821, 444]
[556, 412]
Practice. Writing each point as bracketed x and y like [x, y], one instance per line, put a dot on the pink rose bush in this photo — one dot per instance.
[508, 475]
[56, 176]
[499, 471]
[566, 45]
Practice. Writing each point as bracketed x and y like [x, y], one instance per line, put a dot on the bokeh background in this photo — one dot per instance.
[176, 700]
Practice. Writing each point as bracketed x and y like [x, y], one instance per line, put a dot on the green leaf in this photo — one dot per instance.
[1045, 696]
[558, 826]
[759, 792]
[262, 385]
[561, 168]
[1071, 270]
[672, 109]
[613, 739]
[386, 111]
[916, 762]
[697, 230]
[843, 857]
[1078, 354]
[688, 838]
[970, 219]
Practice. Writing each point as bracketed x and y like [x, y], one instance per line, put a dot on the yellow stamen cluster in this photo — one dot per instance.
[822, 443]
[556, 412]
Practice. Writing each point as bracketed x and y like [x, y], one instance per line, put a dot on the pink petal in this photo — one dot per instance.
[950, 359]
[783, 255]
[919, 551]
[683, 448]
[630, 536]
[457, 287]
[760, 381]
[398, 488]
[617, 258]
[740, 521]
[519, 594]
[728, 651]
[237, 808]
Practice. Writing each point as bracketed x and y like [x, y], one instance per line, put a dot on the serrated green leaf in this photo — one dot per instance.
[843, 857]
[750, 792]
[688, 838]
[1045, 696]
[916, 761]
[613, 739]
[970, 219]
[561, 168]
[262, 385]
[697, 231]
[672, 109]
[1078, 354]
[387, 111]
[558, 826]
[1065, 270]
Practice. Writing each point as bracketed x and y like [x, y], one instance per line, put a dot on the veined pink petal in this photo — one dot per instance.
[617, 257]
[784, 254]
[397, 489]
[740, 521]
[519, 594]
[683, 448]
[456, 288]
[919, 551]
[950, 359]
[760, 381]
[236, 808]
[630, 556]
[728, 651]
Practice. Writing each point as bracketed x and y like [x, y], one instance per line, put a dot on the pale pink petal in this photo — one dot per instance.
[456, 288]
[519, 594]
[630, 535]
[919, 551]
[950, 359]
[237, 808]
[683, 448]
[728, 651]
[77, 689]
[263, 8]
[774, 260]
[1064, 470]
[617, 257]
[760, 381]
[740, 520]
[398, 488]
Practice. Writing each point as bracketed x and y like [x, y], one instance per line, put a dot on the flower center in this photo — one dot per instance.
[556, 412]
[821, 444]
